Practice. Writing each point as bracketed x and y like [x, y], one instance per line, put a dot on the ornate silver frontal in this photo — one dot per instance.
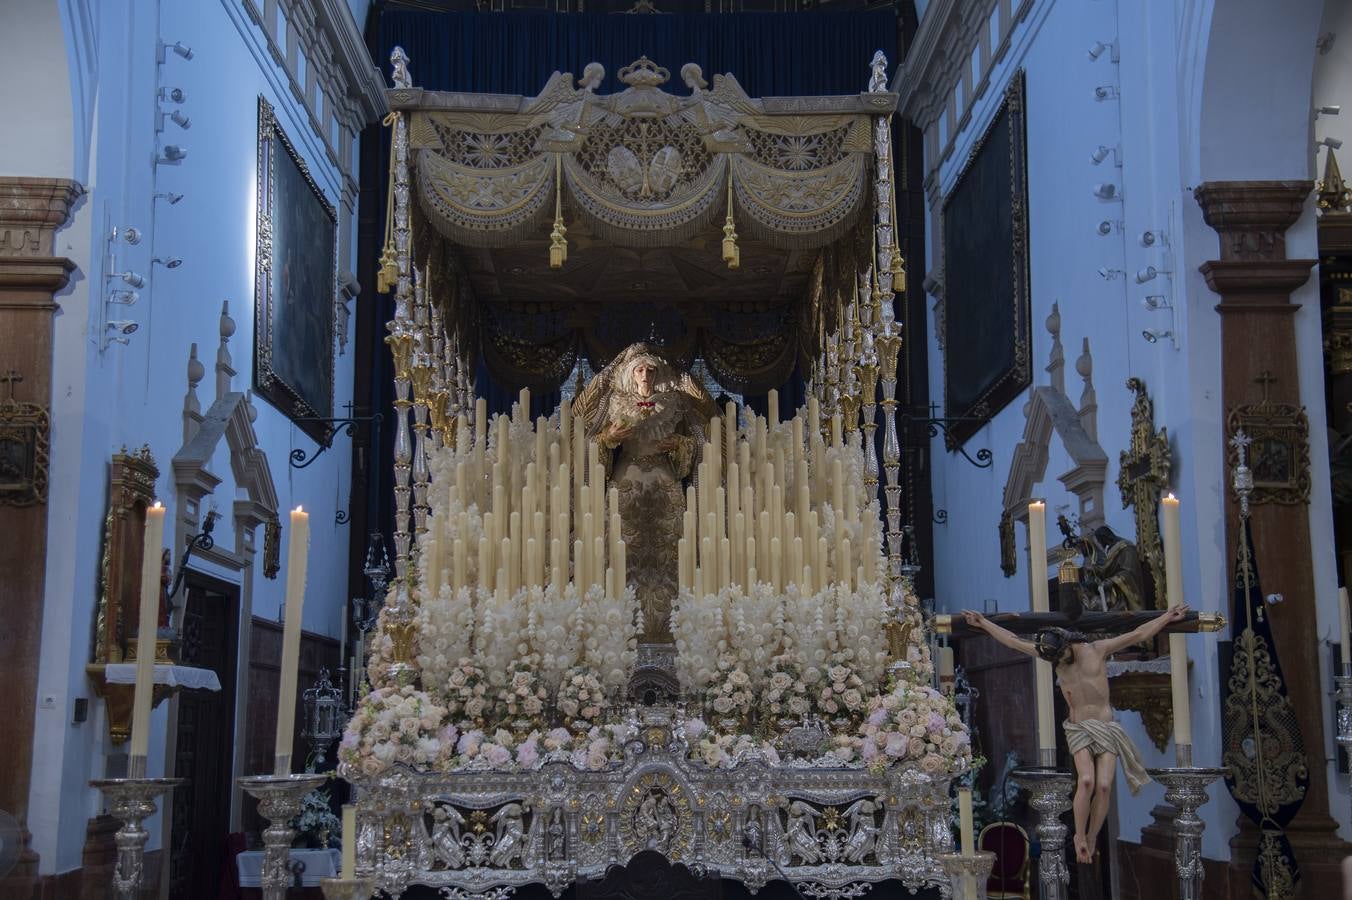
[831, 830]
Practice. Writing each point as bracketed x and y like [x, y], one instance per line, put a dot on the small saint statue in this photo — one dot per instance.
[1095, 739]
[649, 423]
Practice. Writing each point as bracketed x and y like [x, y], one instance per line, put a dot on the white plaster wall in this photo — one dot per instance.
[132, 395]
[1154, 125]
[38, 139]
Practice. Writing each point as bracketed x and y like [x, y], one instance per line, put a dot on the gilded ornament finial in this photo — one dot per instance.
[732, 254]
[1333, 194]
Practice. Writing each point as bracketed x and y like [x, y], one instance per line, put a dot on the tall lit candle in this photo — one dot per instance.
[297, 559]
[1178, 645]
[152, 544]
[349, 868]
[621, 563]
[1037, 567]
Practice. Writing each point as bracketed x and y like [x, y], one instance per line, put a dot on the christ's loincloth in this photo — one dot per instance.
[1108, 737]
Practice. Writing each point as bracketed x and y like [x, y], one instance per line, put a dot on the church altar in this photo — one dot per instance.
[644, 622]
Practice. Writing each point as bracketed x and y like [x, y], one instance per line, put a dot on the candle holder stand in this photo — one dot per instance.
[347, 888]
[1344, 694]
[1185, 790]
[279, 801]
[132, 801]
[1051, 790]
[968, 875]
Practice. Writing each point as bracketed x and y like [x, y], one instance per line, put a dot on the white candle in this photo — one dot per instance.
[621, 563]
[1178, 644]
[297, 558]
[772, 407]
[1037, 554]
[349, 870]
[945, 663]
[152, 545]
[965, 821]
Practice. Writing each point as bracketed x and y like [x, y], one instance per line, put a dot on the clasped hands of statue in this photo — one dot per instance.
[616, 434]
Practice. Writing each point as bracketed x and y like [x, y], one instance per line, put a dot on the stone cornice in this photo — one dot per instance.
[364, 81]
[934, 64]
[31, 211]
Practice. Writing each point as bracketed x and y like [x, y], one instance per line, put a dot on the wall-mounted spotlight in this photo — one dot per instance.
[129, 233]
[1100, 154]
[172, 153]
[1147, 274]
[1110, 274]
[1331, 142]
[1332, 110]
[169, 196]
[1150, 238]
[182, 49]
[1152, 335]
[124, 298]
[135, 279]
[1106, 191]
[177, 118]
[173, 94]
[1156, 301]
[169, 262]
[1104, 228]
[120, 329]
[1099, 48]
[1105, 92]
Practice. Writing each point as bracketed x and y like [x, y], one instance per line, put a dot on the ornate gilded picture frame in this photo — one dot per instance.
[984, 321]
[296, 280]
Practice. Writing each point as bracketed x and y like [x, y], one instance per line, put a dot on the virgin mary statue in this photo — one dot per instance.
[649, 423]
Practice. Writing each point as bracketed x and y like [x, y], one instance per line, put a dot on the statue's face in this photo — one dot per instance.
[644, 374]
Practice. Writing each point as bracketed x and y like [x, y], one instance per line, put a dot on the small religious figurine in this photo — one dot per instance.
[1093, 735]
[649, 422]
[1114, 568]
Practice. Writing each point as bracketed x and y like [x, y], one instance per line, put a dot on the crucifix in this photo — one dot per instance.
[1143, 476]
[1090, 623]
[11, 378]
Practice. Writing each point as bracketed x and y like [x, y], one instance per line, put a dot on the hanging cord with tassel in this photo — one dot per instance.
[732, 254]
[898, 262]
[558, 244]
[387, 273]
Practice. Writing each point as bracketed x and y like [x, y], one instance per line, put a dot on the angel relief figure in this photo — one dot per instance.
[649, 421]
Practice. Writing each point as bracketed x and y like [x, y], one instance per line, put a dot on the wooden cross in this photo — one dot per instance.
[1094, 623]
[1265, 380]
[12, 377]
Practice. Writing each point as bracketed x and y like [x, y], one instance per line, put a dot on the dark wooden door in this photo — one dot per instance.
[206, 740]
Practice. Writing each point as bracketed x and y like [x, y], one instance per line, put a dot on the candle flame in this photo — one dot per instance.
[158, 505]
[1170, 496]
[299, 508]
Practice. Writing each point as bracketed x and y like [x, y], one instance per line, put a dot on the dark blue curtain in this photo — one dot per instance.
[770, 54]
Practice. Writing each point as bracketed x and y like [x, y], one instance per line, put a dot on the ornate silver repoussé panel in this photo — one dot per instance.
[832, 830]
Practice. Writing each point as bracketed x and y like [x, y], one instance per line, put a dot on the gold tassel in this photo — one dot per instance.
[558, 244]
[732, 254]
[387, 273]
[897, 265]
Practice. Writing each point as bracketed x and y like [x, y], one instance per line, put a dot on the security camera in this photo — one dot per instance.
[169, 196]
[1106, 191]
[178, 47]
[123, 326]
[171, 262]
[174, 95]
[174, 153]
[135, 279]
[1146, 274]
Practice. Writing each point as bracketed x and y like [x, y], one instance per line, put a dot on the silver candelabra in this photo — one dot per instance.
[1185, 790]
[132, 801]
[280, 798]
[1051, 789]
[967, 875]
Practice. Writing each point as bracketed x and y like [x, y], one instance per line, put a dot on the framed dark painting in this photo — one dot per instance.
[986, 310]
[296, 280]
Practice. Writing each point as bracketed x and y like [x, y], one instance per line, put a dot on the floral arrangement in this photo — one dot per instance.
[915, 722]
[316, 824]
[581, 697]
[466, 688]
[731, 695]
[786, 694]
[842, 694]
[523, 696]
[396, 725]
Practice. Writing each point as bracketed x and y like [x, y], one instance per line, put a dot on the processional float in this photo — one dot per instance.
[522, 725]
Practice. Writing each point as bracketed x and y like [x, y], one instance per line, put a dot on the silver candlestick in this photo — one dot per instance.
[1344, 683]
[1051, 789]
[1185, 790]
[968, 875]
[132, 801]
[347, 888]
[280, 798]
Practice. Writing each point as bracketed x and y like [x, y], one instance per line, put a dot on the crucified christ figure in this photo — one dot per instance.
[1093, 736]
